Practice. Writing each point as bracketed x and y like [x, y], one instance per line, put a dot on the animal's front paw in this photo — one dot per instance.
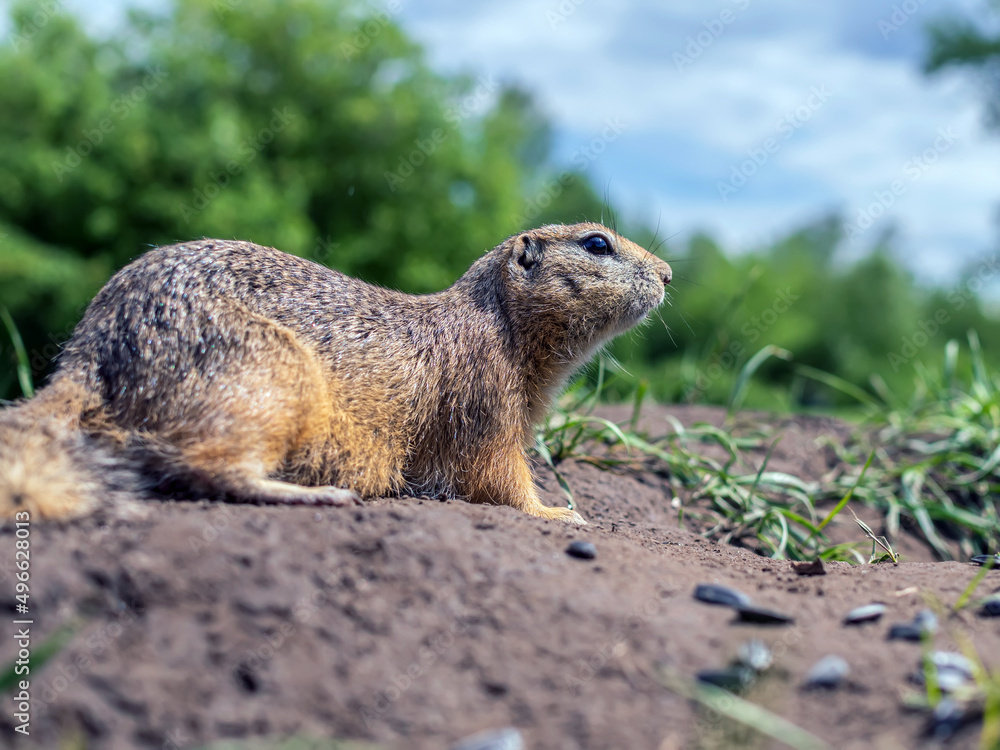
[337, 497]
[567, 515]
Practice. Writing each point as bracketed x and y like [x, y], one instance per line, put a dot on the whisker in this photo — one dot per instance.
[656, 231]
[688, 281]
[612, 217]
[686, 322]
[666, 328]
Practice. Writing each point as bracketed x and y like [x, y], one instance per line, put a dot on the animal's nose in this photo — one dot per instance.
[665, 272]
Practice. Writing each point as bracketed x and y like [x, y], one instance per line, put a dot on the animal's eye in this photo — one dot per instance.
[597, 245]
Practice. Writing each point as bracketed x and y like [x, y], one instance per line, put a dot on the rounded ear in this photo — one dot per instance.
[527, 252]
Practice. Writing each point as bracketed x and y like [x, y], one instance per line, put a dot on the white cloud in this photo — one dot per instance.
[688, 127]
[588, 60]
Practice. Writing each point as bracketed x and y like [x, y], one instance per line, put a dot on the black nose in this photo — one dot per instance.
[666, 273]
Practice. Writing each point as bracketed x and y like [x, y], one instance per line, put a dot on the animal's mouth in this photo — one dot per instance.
[638, 310]
[652, 301]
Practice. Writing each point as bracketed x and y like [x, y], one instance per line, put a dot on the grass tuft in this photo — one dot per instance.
[931, 464]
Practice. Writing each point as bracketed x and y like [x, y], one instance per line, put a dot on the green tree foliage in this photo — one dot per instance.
[316, 126]
[958, 41]
[854, 320]
[312, 126]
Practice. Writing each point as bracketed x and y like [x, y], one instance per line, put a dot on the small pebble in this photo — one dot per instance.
[867, 613]
[947, 718]
[711, 593]
[756, 655]
[763, 616]
[991, 607]
[949, 680]
[927, 620]
[492, 739]
[982, 559]
[924, 623]
[954, 661]
[582, 550]
[814, 568]
[953, 671]
[905, 631]
[828, 673]
[731, 678]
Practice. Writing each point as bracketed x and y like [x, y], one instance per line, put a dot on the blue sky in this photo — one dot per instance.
[701, 88]
[743, 118]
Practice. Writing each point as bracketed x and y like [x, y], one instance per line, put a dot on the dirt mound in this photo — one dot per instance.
[411, 623]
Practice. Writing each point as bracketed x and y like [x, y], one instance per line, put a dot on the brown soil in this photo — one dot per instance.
[411, 623]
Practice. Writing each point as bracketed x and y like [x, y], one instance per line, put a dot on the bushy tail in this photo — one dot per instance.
[48, 466]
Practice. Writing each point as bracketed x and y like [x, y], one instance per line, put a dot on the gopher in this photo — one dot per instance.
[226, 369]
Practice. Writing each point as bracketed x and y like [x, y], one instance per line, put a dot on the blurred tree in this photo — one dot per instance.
[961, 41]
[852, 320]
[316, 126]
[310, 125]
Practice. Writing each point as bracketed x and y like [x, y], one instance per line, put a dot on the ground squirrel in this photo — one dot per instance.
[226, 369]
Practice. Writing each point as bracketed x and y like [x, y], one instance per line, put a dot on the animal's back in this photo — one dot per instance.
[179, 302]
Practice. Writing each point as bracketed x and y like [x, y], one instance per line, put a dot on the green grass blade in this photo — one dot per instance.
[842, 503]
[950, 364]
[763, 466]
[640, 396]
[980, 377]
[23, 363]
[48, 648]
[847, 497]
[543, 451]
[738, 393]
[841, 385]
[973, 585]
[743, 711]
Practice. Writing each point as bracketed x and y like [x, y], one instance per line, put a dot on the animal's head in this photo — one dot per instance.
[579, 285]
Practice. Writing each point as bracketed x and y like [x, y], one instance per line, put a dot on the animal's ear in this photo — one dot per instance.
[527, 252]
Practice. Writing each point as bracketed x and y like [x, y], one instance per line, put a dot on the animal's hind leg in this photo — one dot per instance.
[244, 487]
[261, 414]
[273, 491]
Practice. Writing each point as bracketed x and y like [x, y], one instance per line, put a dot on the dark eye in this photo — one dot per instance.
[597, 245]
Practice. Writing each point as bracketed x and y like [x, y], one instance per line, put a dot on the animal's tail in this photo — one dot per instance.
[48, 466]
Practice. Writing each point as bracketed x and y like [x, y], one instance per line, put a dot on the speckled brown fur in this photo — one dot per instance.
[236, 370]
